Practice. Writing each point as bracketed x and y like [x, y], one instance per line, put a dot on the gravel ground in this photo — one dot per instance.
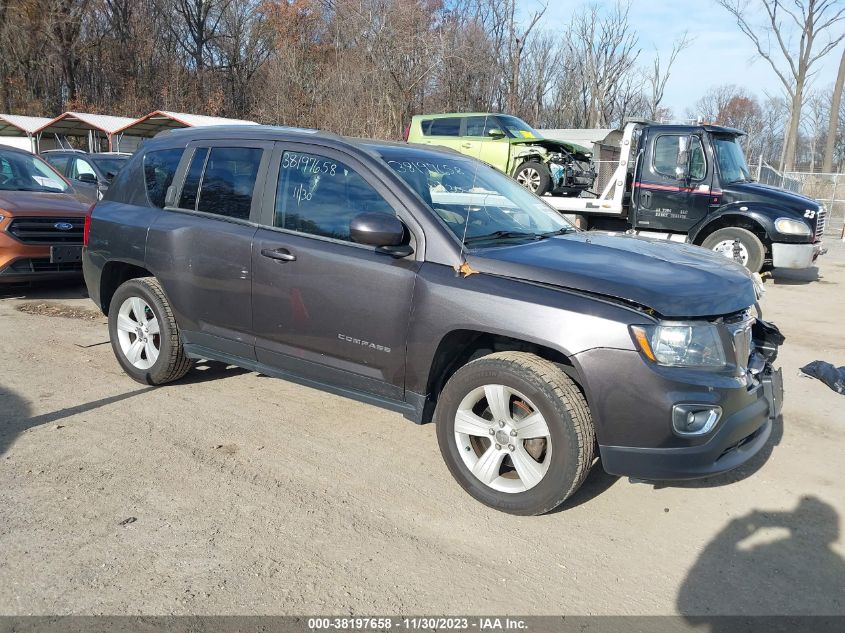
[233, 493]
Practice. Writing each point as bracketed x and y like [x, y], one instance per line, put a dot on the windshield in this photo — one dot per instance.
[478, 204]
[517, 128]
[25, 172]
[111, 165]
[732, 165]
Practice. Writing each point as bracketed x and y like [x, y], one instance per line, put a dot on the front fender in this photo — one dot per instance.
[761, 213]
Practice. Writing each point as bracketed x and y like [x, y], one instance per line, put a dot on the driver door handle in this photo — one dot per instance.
[466, 145]
[279, 254]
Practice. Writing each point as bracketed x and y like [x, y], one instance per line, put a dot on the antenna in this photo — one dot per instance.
[468, 211]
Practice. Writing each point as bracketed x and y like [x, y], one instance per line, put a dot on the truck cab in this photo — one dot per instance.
[692, 183]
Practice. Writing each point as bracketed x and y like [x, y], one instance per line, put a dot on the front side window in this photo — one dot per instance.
[482, 126]
[25, 172]
[159, 169]
[82, 170]
[666, 150]
[320, 196]
[479, 204]
[110, 165]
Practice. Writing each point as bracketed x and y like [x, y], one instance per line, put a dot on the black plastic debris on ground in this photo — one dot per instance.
[833, 377]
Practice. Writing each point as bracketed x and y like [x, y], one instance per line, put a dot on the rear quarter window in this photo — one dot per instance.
[159, 169]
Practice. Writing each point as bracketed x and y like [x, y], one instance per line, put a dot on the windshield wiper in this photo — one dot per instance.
[561, 231]
[496, 235]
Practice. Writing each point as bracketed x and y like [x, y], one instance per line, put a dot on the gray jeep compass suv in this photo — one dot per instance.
[425, 282]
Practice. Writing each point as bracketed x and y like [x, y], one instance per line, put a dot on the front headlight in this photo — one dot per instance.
[681, 344]
[788, 226]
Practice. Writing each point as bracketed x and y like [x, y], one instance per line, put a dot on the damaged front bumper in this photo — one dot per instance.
[565, 176]
[796, 256]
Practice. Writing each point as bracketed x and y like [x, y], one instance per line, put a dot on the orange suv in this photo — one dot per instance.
[41, 220]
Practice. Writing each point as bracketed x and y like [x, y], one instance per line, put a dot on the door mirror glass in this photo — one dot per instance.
[495, 133]
[376, 229]
[87, 177]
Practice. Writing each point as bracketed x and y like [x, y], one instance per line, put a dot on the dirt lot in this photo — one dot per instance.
[230, 492]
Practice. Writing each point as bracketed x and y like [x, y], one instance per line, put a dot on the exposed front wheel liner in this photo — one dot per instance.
[738, 244]
[535, 177]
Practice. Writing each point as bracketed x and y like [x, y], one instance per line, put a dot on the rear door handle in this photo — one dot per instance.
[279, 254]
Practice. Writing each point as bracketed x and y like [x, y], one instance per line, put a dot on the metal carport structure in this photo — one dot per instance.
[23, 127]
[83, 125]
[160, 120]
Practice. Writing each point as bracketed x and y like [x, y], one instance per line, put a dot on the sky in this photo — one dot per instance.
[720, 54]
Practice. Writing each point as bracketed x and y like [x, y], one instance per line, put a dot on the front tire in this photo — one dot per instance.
[739, 245]
[515, 432]
[144, 334]
[535, 177]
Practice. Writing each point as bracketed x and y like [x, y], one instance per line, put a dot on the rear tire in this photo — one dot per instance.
[535, 177]
[751, 251]
[537, 410]
[144, 334]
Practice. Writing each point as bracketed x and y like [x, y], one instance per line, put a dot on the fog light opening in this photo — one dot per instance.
[695, 419]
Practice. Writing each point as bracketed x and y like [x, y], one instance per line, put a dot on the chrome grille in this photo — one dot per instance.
[741, 337]
[40, 230]
[821, 222]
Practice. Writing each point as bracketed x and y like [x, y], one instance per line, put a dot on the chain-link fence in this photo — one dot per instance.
[828, 189]
[604, 173]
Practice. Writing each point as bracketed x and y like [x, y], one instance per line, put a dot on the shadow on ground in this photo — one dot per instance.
[787, 277]
[16, 417]
[45, 290]
[767, 563]
[16, 411]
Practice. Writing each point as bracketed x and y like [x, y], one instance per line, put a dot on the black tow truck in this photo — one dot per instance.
[691, 183]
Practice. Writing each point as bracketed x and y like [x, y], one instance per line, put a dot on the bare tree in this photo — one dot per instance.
[833, 123]
[813, 19]
[518, 39]
[659, 75]
[605, 46]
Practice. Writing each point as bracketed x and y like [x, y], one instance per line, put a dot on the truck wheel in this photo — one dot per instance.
[738, 244]
[535, 177]
[515, 432]
[144, 334]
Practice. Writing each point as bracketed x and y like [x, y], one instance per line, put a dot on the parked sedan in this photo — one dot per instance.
[90, 174]
[41, 220]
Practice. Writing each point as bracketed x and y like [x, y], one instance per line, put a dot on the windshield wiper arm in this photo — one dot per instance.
[561, 231]
[500, 235]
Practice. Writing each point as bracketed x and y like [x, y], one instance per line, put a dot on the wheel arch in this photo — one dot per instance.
[753, 220]
[115, 273]
[459, 347]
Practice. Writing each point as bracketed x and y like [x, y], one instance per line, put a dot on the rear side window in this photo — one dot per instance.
[229, 180]
[442, 127]
[59, 162]
[159, 169]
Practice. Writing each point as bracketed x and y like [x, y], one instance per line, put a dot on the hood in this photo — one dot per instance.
[40, 203]
[757, 192]
[675, 280]
[581, 153]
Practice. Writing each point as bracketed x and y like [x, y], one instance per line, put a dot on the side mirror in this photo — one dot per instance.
[495, 133]
[87, 177]
[682, 163]
[381, 230]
